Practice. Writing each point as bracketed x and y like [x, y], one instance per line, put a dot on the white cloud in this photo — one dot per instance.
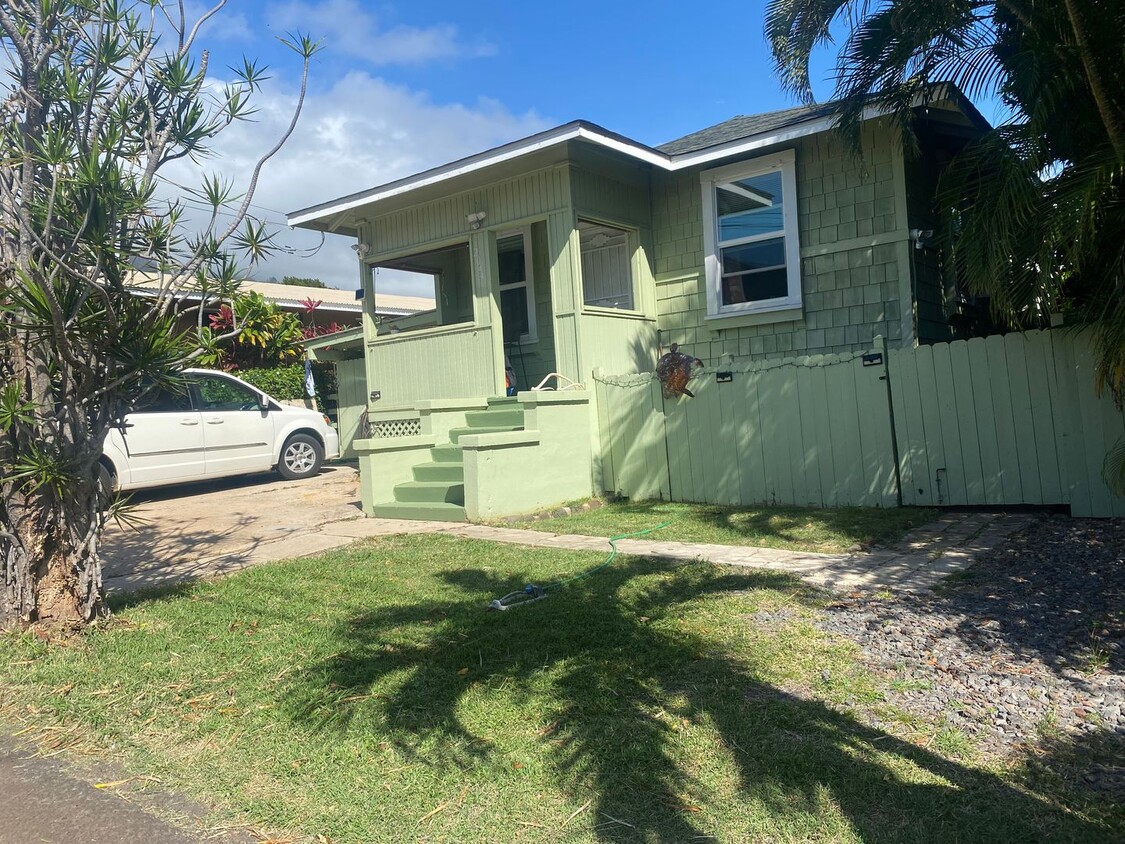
[346, 27]
[360, 133]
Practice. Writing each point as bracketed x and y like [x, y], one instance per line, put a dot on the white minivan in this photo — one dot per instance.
[221, 426]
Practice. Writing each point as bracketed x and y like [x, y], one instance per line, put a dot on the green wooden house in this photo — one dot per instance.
[578, 250]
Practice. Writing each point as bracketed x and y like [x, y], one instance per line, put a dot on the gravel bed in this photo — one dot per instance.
[1022, 649]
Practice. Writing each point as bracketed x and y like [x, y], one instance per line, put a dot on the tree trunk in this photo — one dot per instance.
[52, 574]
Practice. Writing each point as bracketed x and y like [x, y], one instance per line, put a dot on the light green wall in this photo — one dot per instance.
[506, 203]
[551, 459]
[854, 256]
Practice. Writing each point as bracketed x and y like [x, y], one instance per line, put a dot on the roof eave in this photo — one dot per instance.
[332, 216]
[320, 216]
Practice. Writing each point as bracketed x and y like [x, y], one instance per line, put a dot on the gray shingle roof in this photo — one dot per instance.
[744, 126]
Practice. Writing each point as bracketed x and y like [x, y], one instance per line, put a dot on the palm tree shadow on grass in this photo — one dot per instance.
[622, 682]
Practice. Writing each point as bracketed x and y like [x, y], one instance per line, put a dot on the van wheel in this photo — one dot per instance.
[105, 486]
[301, 457]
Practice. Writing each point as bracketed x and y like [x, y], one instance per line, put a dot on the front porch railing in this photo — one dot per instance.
[445, 362]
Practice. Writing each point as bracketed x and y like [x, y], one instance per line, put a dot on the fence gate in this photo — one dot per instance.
[351, 386]
[814, 431]
[1003, 420]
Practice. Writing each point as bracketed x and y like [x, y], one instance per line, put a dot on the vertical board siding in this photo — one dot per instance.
[351, 391]
[449, 364]
[616, 344]
[444, 219]
[1003, 420]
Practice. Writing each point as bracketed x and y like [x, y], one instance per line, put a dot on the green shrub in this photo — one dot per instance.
[287, 383]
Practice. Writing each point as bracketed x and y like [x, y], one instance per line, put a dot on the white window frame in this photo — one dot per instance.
[710, 179]
[528, 282]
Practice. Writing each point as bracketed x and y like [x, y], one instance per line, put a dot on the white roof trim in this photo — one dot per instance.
[559, 135]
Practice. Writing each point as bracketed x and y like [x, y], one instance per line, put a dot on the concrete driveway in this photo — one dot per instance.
[198, 530]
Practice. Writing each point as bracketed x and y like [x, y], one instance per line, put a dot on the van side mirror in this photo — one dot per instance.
[263, 402]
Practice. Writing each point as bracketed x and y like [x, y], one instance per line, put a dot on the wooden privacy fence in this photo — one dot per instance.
[813, 431]
[1002, 420]
[351, 401]
[1010, 419]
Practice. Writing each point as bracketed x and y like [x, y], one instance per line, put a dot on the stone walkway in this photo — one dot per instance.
[923, 558]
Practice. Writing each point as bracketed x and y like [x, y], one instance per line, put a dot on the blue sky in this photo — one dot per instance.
[400, 87]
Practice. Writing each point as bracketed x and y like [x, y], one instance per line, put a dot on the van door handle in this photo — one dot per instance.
[214, 421]
[185, 422]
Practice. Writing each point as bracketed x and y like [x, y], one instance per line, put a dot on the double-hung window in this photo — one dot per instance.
[750, 237]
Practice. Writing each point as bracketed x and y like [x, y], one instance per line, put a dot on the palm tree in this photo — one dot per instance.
[1034, 210]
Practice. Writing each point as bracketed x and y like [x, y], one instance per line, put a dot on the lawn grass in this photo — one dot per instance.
[828, 530]
[367, 696]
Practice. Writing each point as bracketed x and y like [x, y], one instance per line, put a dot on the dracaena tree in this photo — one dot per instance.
[1034, 210]
[98, 97]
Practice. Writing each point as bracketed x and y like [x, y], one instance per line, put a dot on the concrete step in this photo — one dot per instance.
[503, 401]
[441, 492]
[456, 433]
[448, 453]
[428, 511]
[504, 417]
[439, 472]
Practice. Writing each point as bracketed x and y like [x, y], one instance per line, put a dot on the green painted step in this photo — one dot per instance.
[503, 401]
[429, 511]
[442, 492]
[456, 433]
[446, 454]
[494, 418]
[443, 471]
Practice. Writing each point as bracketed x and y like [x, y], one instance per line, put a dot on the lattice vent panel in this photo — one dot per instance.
[394, 428]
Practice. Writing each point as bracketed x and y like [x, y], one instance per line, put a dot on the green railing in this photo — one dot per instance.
[445, 362]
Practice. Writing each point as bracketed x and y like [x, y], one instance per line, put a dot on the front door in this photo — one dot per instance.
[237, 433]
[163, 440]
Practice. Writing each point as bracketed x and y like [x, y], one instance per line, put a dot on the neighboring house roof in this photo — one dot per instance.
[332, 299]
[736, 136]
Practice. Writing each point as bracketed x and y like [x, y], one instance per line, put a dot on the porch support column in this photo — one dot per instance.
[368, 321]
[566, 297]
[486, 299]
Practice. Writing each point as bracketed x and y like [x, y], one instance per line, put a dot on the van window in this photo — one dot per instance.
[223, 394]
[163, 401]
